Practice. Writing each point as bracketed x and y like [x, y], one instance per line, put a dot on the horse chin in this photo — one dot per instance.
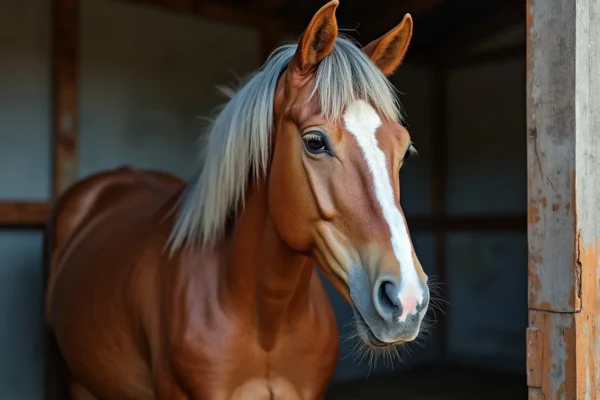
[366, 335]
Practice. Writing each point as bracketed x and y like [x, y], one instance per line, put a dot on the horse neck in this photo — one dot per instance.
[264, 278]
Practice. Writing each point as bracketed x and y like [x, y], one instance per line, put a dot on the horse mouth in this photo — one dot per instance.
[367, 335]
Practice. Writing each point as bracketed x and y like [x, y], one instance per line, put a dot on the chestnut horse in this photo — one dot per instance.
[161, 289]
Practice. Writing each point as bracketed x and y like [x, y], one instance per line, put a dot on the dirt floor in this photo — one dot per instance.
[434, 384]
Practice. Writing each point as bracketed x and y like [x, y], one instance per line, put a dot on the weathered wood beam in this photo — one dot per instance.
[228, 14]
[23, 214]
[65, 82]
[34, 214]
[65, 40]
[563, 151]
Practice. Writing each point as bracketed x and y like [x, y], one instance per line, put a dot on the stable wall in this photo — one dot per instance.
[24, 173]
[147, 82]
[487, 271]
[486, 174]
[146, 76]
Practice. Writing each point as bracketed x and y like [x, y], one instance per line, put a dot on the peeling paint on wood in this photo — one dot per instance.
[563, 142]
[555, 362]
[536, 394]
[535, 346]
[588, 328]
[550, 149]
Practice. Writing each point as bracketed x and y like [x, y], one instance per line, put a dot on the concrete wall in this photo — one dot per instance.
[143, 84]
[25, 99]
[147, 80]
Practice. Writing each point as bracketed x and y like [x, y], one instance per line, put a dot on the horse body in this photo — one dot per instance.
[160, 289]
[116, 303]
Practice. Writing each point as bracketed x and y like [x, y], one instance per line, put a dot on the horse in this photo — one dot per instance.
[208, 288]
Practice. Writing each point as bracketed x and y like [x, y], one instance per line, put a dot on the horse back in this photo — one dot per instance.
[95, 195]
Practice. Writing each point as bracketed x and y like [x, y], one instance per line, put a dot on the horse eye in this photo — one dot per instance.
[315, 142]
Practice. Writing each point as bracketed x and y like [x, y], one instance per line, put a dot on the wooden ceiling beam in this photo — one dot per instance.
[228, 14]
[33, 214]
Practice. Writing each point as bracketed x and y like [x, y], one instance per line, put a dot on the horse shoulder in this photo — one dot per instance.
[185, 324]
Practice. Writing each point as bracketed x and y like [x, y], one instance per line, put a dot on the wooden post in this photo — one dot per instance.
[65, 23]
[563, 151]
[66, 76]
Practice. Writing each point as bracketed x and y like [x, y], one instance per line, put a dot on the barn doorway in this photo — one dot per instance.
[78, 98]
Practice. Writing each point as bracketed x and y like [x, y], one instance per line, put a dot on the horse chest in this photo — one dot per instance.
[293, 370]
[230, 358]
[283, 374]
[266, 389]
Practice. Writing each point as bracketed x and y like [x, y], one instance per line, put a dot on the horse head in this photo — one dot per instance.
[334, 191]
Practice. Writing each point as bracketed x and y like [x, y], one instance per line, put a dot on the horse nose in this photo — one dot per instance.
[394, 303]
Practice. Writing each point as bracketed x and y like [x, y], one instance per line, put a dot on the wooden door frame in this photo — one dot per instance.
[563, 151]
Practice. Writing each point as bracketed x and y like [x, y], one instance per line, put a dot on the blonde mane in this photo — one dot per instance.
[237, 144]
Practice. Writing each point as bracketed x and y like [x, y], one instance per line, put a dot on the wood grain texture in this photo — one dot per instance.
[587, 185]
[551, 138]
[535, 346]
[563, 141]
[66, 76]
[552, 372]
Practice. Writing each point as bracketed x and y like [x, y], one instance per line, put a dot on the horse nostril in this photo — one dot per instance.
[388, 302]
[393, 294]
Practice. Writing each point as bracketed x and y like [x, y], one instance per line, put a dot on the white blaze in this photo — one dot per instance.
[362, 121]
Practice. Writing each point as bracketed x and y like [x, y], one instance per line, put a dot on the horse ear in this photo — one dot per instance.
[318, 39]
[388, 51]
